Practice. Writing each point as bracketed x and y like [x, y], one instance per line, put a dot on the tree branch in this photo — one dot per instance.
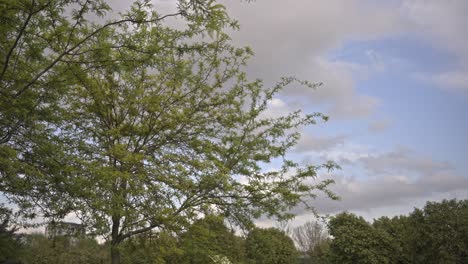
[66, 52]
[20, 34]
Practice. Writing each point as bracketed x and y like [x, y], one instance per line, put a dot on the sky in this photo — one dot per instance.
[395, 86]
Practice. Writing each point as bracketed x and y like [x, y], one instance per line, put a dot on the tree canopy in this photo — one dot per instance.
[270, 246]
[134, 125]
[434, 234]
[356, 241]
[210, 238]
[9, 241]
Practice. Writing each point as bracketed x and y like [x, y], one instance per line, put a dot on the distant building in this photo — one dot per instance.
[55, 229]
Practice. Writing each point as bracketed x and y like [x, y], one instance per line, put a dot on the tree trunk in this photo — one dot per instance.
[115, 254]
[115, 251]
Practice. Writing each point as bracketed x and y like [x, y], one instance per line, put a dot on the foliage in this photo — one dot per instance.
[435, 234]
[444, 228]
[9, 241]
[151, 248]
[135, 125]
[208, 239]
[270, 246]
[356, 241]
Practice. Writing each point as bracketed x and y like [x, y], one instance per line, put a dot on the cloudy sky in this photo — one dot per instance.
[395, 85]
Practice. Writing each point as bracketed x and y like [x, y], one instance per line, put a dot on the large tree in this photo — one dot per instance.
[209, 238]
[435, 234]
[41, 41]
[270, 246]
[134, 125]
[357, 241]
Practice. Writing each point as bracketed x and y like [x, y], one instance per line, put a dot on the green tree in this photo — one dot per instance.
[39, 41]
[140, 125]
[356, 241]
[210, 237]
[9, 244]
[435, 234]
[270, 246]
[403, 235]
[438, 233]
[151, 248]
[444, 226]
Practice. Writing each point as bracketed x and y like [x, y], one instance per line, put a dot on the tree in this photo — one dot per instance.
[145, 126]
[443, 228]
[270, 246]
[401, 231]
[437, 233]
[356, 241]
[210, 238]
[312, 239]
[40, 43]
[151, 248]
[9, 244]
[39, 39]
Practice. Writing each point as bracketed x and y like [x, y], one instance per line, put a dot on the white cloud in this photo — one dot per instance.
[276, 107]
[373, 180]
[309, 142]
[454, 80]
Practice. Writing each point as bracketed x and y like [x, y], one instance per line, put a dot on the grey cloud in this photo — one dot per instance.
[292, 38]
[309, 142]
[393, 178]
[401, 160]
[361, 195]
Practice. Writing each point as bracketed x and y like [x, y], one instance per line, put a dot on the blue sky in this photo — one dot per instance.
[395, 77]
[424, 115]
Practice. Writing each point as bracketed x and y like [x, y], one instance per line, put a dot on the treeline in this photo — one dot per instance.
[208, 240]
[438, 233]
